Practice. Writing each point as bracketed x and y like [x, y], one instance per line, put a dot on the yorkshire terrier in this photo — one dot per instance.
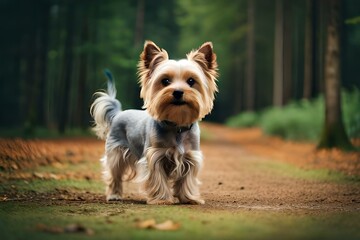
[160, 145]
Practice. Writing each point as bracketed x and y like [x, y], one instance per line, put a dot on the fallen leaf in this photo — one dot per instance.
[146, 223]
[58, 165]
[54, 176]
[38, 175]
[168, 225]
[3, 198]
[14, 166]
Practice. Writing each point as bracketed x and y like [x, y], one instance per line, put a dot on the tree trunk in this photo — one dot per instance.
[42, 62]
[139, 27]
[82, 96]
[279, 55]
[308, 58]
[29, 86]
[287, 51]
[250, 67]
[334, 134]
[320, 46]
[68, 67]
[238, 82]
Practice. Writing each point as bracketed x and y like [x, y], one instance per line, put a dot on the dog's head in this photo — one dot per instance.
[179, 91]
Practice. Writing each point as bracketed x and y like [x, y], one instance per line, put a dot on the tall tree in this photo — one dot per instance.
[250, 67]
[82, 93]
[139, 25]
[35, 49]
[334, 134]
[67, 65]
[309, 49]
[278, 89]
[320, 35]
[287, 51]
[42, 61]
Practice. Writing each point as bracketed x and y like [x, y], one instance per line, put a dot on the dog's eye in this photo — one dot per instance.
[165, 82]
[191, 82]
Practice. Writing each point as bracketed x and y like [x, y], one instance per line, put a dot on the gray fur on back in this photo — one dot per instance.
[134, 129]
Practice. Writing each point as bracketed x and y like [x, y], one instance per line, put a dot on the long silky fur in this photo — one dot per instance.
[169, 164]
[105, 107]
[182, 175]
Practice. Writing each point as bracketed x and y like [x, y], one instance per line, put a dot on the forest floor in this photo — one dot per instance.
[254, 186]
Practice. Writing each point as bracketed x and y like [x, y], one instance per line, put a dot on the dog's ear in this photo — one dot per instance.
[205, 57]
[152, 55]
[207, 50]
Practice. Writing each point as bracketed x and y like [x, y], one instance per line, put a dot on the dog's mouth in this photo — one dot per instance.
[178, 102]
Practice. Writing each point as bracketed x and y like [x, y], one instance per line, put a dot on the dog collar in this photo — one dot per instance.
[178, 129]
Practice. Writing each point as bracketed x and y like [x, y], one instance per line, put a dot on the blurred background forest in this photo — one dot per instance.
[270, 53]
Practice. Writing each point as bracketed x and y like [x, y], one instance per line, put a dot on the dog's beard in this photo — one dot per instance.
[182, 112]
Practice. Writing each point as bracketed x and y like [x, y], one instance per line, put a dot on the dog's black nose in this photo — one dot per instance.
[178, 94]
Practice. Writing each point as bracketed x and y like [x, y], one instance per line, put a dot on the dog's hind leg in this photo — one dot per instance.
[115, 167]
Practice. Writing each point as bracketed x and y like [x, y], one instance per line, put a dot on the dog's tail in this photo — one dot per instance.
[105, 107]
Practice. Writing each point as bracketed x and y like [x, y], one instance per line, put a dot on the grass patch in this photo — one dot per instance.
[83, 182]
[117, 221]
[288, 170]
[79, 167]
[49, 185]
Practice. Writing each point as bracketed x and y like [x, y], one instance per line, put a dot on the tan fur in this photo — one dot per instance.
[170, 162]
[119, 165]
[157, 99]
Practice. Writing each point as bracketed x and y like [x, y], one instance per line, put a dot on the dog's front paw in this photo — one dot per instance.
[160, 201]
[113, 197]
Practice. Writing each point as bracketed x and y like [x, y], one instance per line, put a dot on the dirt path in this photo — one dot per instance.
[243, 170]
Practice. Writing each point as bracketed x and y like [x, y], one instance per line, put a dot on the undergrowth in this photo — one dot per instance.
[303, 119]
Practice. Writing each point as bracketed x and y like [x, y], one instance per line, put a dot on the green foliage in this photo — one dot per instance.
[351, 112]
[55, 67]
[353, 21]
[201, 21]
[302, 120]
[244, 120]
